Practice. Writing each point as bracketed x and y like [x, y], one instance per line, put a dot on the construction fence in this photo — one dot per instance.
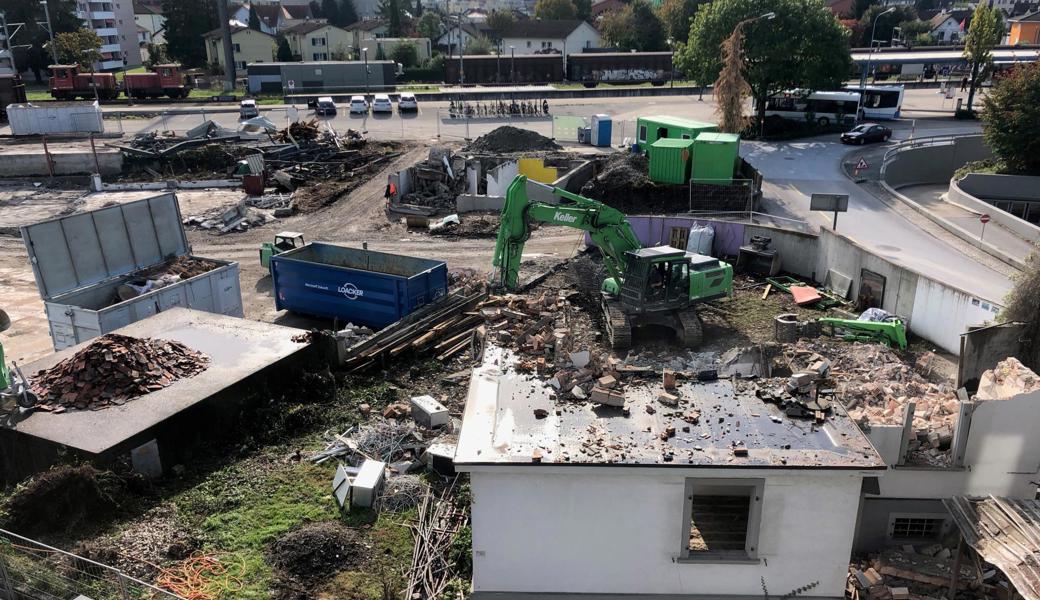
[30, 570]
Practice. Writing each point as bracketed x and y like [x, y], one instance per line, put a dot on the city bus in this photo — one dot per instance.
[823, 108]
[879, 101]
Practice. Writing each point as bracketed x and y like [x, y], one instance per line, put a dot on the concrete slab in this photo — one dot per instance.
[237, 349]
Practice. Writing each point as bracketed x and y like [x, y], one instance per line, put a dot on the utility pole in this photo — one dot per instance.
[50, 30]
[462, 75]
[229, 53]
[7, 38]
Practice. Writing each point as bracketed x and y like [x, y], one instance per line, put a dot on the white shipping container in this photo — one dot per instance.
[80, 261]
[55, 117]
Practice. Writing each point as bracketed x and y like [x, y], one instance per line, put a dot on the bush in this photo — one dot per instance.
[1011, 118]
[422, 75]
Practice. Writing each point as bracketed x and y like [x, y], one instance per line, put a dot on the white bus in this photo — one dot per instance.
[879, 101]
[823, 108]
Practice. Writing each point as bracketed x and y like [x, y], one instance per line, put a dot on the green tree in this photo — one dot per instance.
[254, 18]
[803, 46]
[429, 25]
[499, 21]
[984, 33]
[677, 15]
[861, 6]
[634, 27]
[31, 52]
[315, 7]
[82, 47]
[555, 9]
[393, 13]
[910, 32]
[155, 55]
[885, 23]
[479, 45]
[406, 54]
[347, 13]
[284, 53]
[583, 9]
[330, 10]
[1011, 120]
[186, 22]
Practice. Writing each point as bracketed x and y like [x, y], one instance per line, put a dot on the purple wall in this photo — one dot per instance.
[656, 230]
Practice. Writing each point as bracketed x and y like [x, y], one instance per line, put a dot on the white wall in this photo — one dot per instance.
[585, 36]
[1001, 457]
[619, 529]
[941, 314]
[499, 178]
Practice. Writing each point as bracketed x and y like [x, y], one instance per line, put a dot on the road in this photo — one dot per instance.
[794, 171]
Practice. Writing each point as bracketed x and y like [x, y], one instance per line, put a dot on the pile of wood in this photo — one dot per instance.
[910, 572]
[114, 369]
[434, 531]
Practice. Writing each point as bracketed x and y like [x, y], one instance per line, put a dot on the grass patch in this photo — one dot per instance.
[991, 166]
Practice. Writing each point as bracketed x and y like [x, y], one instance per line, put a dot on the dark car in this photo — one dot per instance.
[866, 133]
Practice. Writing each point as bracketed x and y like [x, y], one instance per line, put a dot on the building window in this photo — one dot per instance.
[917, 528]
[237, 47]
[528, 43]
[721, 519]
[642, 133]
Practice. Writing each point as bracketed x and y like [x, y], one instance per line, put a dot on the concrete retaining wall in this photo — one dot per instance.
[933, 164]
[466, 203]
[34, 164]
[973, 191]
[797, 250]
[841, 254]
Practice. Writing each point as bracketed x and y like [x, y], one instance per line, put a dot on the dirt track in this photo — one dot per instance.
[356, 219]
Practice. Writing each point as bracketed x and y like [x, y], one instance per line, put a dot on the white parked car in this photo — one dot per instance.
[381, 104]
[247, 109]
[407, 102]
[358, 105]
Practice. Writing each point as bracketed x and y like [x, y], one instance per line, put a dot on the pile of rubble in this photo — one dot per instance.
[909, 572]
[508, 139]
[1007, 379]
[172, 271]
[437, 181]
[114, 369]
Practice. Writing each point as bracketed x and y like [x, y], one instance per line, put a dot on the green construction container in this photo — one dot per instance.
[670, 160]
[715, 157]
[651, 129]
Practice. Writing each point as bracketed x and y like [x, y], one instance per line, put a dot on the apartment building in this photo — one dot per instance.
[114, 23]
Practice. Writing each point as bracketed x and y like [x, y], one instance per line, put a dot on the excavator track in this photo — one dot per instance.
[619, 326]
[691, 332]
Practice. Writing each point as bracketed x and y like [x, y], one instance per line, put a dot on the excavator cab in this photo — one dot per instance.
[664, 278]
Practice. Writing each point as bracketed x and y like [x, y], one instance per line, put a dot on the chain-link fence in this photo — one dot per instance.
[30, 570]
[722, 195]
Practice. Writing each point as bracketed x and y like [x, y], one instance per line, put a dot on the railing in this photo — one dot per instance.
[30, 570]
[924, 142]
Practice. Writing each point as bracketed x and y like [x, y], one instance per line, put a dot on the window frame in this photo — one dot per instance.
[944, 524]
[755, 489]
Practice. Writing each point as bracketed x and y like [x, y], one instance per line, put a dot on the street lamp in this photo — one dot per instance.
[364, 53]
[512, 64]
[870, 52]
[671, 63]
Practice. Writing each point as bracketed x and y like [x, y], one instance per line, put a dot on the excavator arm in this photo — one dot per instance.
[608, 228]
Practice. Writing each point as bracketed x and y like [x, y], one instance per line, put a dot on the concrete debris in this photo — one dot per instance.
[114, 369]
[1007, 380]
[239, 217]
[437, 181]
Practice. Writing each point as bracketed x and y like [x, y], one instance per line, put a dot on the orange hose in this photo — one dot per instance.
[202, 577]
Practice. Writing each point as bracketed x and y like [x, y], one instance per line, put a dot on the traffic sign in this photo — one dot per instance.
[835, 203]
[984, 218]
[862, 165]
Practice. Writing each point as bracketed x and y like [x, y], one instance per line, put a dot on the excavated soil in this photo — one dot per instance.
[309, 555]
[507, 139]
[623, 182]
[62, 501]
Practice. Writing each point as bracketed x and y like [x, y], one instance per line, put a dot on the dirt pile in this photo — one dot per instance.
[114, 369]
[507, 139]
[310, 554]
[63, 500]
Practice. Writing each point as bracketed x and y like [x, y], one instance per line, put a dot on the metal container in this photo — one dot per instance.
[651, 129]
[355, 285]
[715, 157]
[670, 161]
[55, 117]
[81, 260]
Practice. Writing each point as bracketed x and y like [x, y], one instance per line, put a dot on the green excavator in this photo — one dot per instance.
[645, 286]
[13, 385]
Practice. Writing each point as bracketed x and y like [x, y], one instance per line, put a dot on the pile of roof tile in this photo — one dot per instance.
[114, 369]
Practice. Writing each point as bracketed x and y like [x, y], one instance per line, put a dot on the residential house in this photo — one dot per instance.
[249, 47]
[318, 40]
[114, 23]
[537, 36]
[1025, 30]
[148, 16]
[842, 8]
[449, 40]
[723, 497]
[949, 27]
[274, 17]
[384, 47]
[604, 6]
[363, 34]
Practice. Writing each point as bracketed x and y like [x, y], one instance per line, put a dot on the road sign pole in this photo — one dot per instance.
[982, 235]
[983, 218]
[834, 227]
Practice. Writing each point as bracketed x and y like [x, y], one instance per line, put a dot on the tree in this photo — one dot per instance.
[406, 54]
[1011, 120]
[31, 52]
[479, 45]
[316, 11]
[583, 9]
[730, 88]
[803, 46]
[156, 55]
[186, 22]
[82, 47]
[911, 31]
[885, 23]
[634, 27]
[254, 18]
[861, 6]
[284, 53]
[392, 12]
[677, 15]
[330, 9]
[555, 9]
[347, 13]
[984, 33]
[418, 12]
[429, 25]
[499, 21]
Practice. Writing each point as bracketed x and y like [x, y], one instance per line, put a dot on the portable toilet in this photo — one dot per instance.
[670, 160]
[601, 130]
[715, 157]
